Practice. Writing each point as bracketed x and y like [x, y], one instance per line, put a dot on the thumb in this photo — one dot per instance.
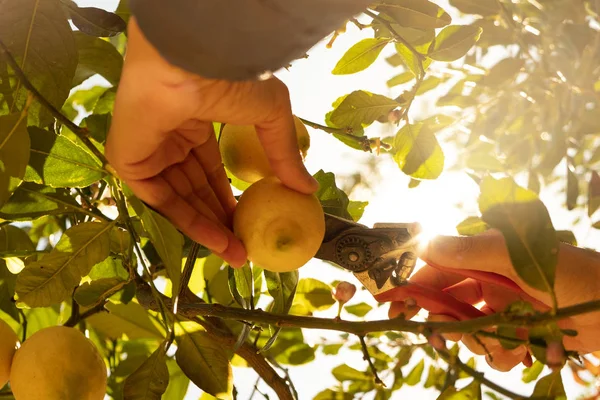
[486, 252]
[278, 138]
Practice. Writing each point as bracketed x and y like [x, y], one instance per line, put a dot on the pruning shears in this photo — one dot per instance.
[383, 258]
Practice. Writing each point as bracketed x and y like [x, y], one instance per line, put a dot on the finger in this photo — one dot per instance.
[277, 135]
[504, 360]
[482, 253]
[468, 291]
[454, 337]
[401, 307]
[157, 193]
[200, 197]
[428, 276]
[209, 157]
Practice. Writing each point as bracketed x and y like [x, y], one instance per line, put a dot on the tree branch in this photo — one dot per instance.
[76, 317]
[81, 133]
[367, 358]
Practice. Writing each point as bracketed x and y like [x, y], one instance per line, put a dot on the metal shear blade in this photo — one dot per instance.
[381, 258]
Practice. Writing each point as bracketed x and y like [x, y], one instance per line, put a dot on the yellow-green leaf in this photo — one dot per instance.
[470, 392]
[418, 152]
[503, 71]
[360, 56]
[531, 374]
[14, 152]
[38, 35]
[206, 363]
[130, 319]
[92, 293]
[314, 295]
[471, 226]
[453, 42]
[414, 376]
[56, 161]
[95, 21]
[550, 387]
[150, 380]
[97, 56]
[485, 8]
[400, 79]
[31, 201]
[52, 279]
[527, 229]
[362, 108]
[421, 14]
[360, 309]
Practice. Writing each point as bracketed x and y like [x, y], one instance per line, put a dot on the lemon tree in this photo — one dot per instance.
[90, 277]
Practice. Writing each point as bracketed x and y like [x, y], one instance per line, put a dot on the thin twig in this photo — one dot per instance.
[363, 141]
[367, 358]
[81, 133]
[77, 317]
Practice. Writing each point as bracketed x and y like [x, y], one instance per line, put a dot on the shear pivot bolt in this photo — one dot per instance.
[353, 257]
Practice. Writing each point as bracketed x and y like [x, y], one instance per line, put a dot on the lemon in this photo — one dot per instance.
[282, 229]
[8, 346]
[58, 363]
[244, 156]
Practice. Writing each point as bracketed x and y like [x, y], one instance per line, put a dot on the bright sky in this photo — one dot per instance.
[433, 204]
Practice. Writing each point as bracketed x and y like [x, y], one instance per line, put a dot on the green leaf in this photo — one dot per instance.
[56, 161]
[453, 42]
[314, 295]
[404, 77]
[429, 84]
[178, 382]
[95, 21]
[471, 392]
[31, 201]
[7, 291]
[14, 152]
[130, 319]
[124, 12]
[566, 237]
[411, 60]
[550, 387]
[98, 126]
[13, 240]
[93, 293]
[333, 199]
[166, 239]
[593, 193]
[420, 14]
[414, 376]
[362, 107]
[360, 309]
[39, 318]
[418, 152]
[331, 349]
[240, 285]
[330, 394]
[52, 279]
[432, 377]
[150, 380]
[572, 189]
[346, 373]
[485, 8]
[356, 209]
[531, 374]
[504, 71]
[39, 36]
[206, 364]
[84, 98]
[282, 287]
[360, 56]
[97, 56]
[471, 226]
[527, 228]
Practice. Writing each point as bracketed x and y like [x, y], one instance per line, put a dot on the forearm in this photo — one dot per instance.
[238, 39]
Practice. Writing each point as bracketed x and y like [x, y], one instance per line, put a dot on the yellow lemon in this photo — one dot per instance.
[281, 229]
[243, 154]
[58, 363]
[8, 346]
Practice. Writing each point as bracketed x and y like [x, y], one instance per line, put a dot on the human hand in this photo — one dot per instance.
[576, 280]
[162, 143]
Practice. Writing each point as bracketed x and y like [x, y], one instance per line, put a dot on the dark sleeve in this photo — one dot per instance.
[239, 39]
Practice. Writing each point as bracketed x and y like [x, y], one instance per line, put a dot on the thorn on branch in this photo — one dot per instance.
[367, 358]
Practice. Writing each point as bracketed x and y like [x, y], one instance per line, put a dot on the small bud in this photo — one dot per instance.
[344, 291]
[555, 355]
[437, 341]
